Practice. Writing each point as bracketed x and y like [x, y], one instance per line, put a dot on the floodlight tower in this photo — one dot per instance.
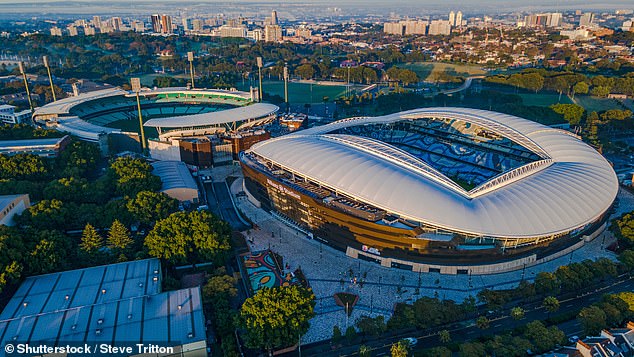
[136, 87]
[190, 58]
[50, 78]
[259, 61]
[286, 86]
[26, 84]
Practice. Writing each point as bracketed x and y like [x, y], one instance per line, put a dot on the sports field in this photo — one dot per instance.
[544, 99]
[594, 104]
[427, 71]
[147, 79]
[303, 92]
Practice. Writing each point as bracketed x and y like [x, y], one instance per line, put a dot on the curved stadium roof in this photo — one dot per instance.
[570, 187]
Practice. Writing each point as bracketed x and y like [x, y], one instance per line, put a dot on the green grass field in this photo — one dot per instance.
[594, 104]
[302, 92]
[544, 99]
[428, 70]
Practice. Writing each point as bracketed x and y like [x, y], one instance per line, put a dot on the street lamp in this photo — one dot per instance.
[286, 86]
[259, 62]
[50, 78]
[190, 58]
[136, 87]
[26, 84]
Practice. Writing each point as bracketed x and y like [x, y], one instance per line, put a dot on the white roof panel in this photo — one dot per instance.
[248, 112]
[576, 188]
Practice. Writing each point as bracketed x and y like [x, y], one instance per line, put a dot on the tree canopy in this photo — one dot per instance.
[188, 237]
[277, 317]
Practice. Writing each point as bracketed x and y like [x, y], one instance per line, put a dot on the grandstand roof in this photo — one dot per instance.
[570, 187]
[254, 111]
[64, 105]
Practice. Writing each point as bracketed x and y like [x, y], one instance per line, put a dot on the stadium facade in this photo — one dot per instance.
[173, 117]
[450, 190]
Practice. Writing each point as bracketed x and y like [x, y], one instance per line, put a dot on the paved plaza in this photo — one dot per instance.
[330, 271]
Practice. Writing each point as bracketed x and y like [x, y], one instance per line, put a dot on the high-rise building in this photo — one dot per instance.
[89, 31]
[116, 23]
[137, 26]
[72, 31]
[255, 35]
[303, 32]
[458, 19]
[394, 28]
[156, 23]
[555, 19]
[166, 24]
[197, 25]
[439, 27]
[273, 17]
[96, 21]
[272, 33]
[586, 19]
[185, 24]
[56, 31]
[232, 31]
[452, 18]
[415, 27]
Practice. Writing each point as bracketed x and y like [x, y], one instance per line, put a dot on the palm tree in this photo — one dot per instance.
[482, 322]
[444, 336]
[551, 304]
[365, 351]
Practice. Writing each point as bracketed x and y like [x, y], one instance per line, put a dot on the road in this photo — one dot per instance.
[219, 202]
[471, 332]
[463, 86]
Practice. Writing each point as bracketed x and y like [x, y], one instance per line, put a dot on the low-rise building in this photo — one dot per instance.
[48, 147]
[117, 304]
[10, 205]
[178, 182]
[9, 116]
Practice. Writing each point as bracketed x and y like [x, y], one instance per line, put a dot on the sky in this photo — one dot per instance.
[30, 7]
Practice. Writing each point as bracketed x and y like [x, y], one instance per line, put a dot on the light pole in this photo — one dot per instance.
[136, 87]
[190, 58]
[286, 86]
[50, 78]
[26, 84]
[259, 61]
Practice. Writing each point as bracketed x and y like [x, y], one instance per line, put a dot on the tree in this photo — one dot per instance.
[517, 313]
[148, 207]
[472, 349]
[188, 237]
[220, 287]
[592, 319]
[444, 336]
[482, 322]
[50, 253]
[546, 282]
[119, 236]
[623, 229]
[336, 334]
[400, 349]
[543, 338]
[365, 351]
[306, 71]
[441, 351]
[277, 317]
[132, 176]
[581, 88]
[627, 258]
[351, 333]
[551, 304]
[600, 91]
[370, 326]
[572, 112]
[91, 241]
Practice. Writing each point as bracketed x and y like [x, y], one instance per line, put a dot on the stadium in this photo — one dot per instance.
[449, 190]
[110, 116]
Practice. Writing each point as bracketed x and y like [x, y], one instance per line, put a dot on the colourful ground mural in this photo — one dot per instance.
[263, 271]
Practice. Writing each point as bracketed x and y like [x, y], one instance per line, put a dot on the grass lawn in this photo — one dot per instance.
[302, 92]
[426, 70]
[133, 126]
[594, 104]
[544, 99]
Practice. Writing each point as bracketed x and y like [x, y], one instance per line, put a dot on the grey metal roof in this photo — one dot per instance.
[73, 307]
[64, 105]
[7, 199]
[574, 188]
[174, 174]
[246, 113]
[27, 143]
